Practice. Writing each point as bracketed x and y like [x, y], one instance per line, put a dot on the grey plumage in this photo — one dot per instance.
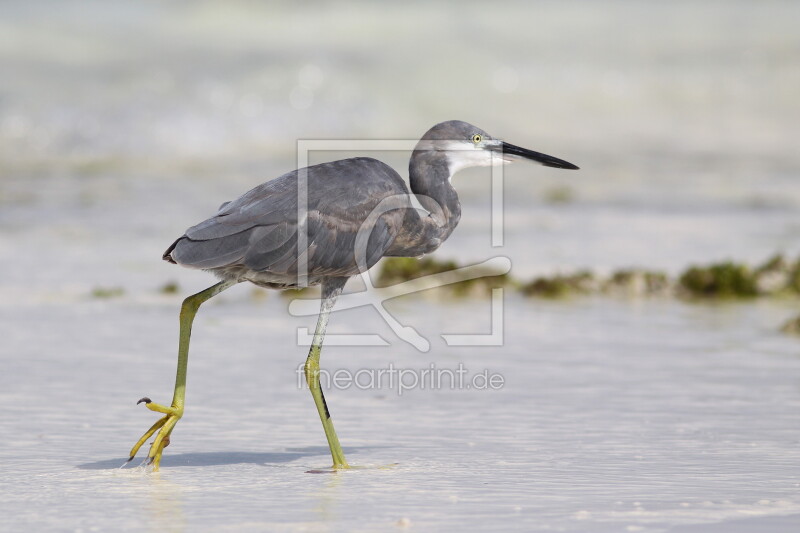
[255, 237]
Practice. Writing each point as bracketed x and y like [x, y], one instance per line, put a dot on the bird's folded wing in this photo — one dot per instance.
[259, 230]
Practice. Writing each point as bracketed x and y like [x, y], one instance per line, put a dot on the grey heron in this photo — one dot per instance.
[322, 225]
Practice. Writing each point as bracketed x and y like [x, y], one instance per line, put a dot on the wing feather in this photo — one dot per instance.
[258, 231]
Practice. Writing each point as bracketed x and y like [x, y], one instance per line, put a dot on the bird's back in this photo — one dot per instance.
[255, 237]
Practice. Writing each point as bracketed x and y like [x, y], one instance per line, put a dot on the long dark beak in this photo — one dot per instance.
[542, 159]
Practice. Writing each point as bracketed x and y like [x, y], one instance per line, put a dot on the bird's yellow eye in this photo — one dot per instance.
[477, 138]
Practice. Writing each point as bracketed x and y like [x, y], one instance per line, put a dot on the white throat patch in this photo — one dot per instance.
[465, 154]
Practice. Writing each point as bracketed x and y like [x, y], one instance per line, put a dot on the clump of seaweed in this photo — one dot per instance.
[400, 269]
[560, 286]
[720, 280]
[482, 285]
[562, 194]
[107, 292]
[170, 287]
[637, 282]
[774, 275]
[793, 281]
[792, 326]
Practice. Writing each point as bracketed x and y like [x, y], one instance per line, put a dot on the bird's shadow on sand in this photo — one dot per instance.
[226, 458]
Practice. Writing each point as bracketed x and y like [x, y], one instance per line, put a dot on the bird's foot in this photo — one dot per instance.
[163, 426]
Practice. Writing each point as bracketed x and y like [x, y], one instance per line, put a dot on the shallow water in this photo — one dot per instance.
[613, 415]
[123, 124]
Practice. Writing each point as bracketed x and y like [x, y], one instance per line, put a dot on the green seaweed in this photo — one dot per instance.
[107, 292]
[793, 283]
[400, 269]
[480, 286]
[559, 286]
[776, 263]
[638, 281]
[792, 326]
[171, 287]
[561, 194]
[774, 276]
[720, 280]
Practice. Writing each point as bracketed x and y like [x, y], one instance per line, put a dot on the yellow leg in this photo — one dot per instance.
[330, 291]
[174, 412]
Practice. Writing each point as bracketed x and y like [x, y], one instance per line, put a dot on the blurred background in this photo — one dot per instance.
[122, 123]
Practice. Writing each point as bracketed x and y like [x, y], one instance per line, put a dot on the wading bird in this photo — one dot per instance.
[322, 225]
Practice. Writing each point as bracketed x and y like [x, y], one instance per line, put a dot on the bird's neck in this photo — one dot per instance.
[429, 177]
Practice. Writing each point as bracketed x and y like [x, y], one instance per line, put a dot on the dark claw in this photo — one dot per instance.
[150, 460]
[145, 400]
[131, 459]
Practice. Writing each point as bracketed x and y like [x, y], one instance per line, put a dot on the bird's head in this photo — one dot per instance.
[463, 145]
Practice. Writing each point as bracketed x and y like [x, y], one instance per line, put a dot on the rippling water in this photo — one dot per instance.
[122, 123]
